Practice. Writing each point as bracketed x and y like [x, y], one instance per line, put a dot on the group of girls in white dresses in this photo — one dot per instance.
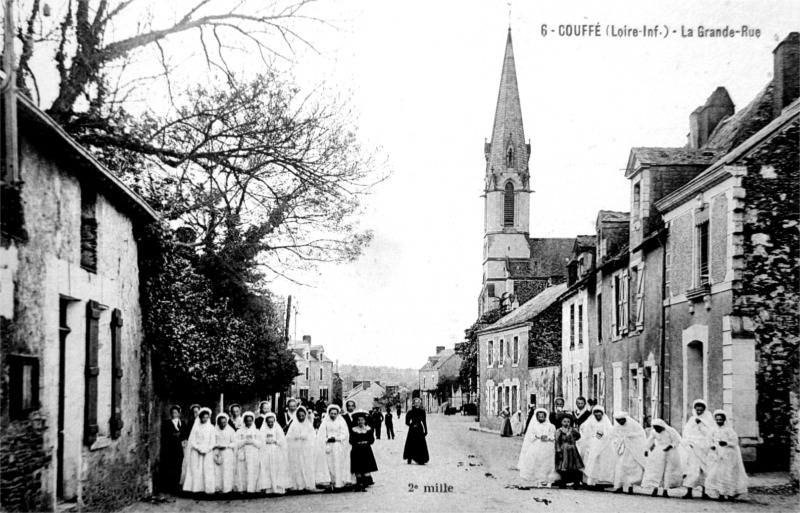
[706, 460]
[227, 455]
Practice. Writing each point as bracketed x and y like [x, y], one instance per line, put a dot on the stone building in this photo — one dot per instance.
[516, 267]
[365, 394]
[577, 330]
[519, 358]
[315, 372]
[441, 369]
[76, 388]
[732, 274]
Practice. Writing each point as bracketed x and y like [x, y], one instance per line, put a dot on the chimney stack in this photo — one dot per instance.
[786, 84]
[439, 349]
[705, 119]
[307, 339]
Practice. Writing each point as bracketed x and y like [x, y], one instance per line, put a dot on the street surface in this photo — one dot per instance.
[478, 467]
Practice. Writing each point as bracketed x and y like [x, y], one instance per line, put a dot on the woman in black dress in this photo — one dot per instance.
[416, 448]
[362, 461]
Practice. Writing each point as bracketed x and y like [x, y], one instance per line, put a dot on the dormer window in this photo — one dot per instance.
[508, 205]
[637, 201]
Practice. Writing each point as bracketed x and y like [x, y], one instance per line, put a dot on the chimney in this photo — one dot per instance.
[572, 272]
[439, 349]
[705, 119]
[307, 339]
[786, 84]
[365, 384]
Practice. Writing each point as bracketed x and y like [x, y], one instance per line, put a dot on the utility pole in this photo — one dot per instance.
[10, 173]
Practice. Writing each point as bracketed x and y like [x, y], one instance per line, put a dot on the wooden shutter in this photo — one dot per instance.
[654, 386]
[640, 298]
[615, 306]
[625, 282]
[116, 373]
[93, 310]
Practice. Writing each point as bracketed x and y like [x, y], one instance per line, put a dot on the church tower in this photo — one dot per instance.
[506, 193]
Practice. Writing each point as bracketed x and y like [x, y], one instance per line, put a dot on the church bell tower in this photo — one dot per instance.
[506, 192]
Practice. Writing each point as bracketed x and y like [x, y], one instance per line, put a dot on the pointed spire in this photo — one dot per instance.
[508, 131]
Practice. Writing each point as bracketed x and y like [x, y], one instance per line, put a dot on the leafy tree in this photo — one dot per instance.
[468, 350]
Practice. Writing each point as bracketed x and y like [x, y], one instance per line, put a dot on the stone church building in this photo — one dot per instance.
[523, 276]
[516, 267]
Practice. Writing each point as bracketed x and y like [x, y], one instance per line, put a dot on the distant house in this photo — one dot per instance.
[364, 393]
[315, 371]
[76, 408]
[441, 368]
[519, 358]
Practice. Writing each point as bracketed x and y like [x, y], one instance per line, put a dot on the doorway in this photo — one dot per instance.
[695, 374]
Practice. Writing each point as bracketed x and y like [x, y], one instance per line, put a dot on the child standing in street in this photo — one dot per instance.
[568, 461]
[389, 424]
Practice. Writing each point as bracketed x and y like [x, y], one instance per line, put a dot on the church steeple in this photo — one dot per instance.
[507, 192]
[507, 151]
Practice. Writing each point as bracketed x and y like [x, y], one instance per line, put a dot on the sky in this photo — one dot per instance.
[424, 76]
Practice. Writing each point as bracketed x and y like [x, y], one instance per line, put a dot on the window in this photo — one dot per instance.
[620, 318]
[490, 289]
[306, 373]
[595, 385]
[572, 326]
[508, 205]
[510, 156]
[600, 318]
[632, 297]
[424, 384]
[323, 393]
[23, 385]
[514, 399]
[639, 314]
[516, 350]
[702, 252]
[320, 374]
[633, 395]
[304, 394]
[637, 201]
[490, 353]
[88, 230]
[580, 325]
[580, 384]
[502, 354]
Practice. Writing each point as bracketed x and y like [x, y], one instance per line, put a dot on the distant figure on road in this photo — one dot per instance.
[398, 411]
[389, 424]
[377, 422]
[416, 448]
[505, 428]
[517, 424]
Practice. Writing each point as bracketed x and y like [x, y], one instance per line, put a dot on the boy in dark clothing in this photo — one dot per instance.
[389, 424]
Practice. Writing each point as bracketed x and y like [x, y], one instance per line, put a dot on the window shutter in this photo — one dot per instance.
[93, 311]
[654, 386]
[640, 396]
[624, 296]
[602, 398]
[640, 298]
[116, 373]
[615, 309]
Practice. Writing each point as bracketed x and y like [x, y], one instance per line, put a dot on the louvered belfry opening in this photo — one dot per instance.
[508, 205]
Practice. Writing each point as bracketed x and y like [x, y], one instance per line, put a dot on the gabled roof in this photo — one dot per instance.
[610, 216]
[360, 388]
[549, 257]
[672, 157]
[444, 356]
[80, 161]
[734, 130]
[529, 310]
[584, 243]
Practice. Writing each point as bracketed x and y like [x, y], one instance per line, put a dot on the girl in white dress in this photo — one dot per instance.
[187, 449]
[300, 441]
[200, 470]
[537, 459]
[629, 441]
[224, 455]
[248, 441]
[333, 439]
[726, 476]
[273, 477]
[663, 468]
[599, 456]
[697, 445]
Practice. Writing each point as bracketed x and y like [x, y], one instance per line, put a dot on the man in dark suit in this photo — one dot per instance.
[377, 422]
[350, 406]
[264, 407]
[285, 420]
[174, 433]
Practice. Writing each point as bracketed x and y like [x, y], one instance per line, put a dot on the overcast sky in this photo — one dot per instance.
[425, 76]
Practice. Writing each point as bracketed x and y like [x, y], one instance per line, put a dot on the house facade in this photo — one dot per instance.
[315, 372]
[365, 393]
[519, 358]
[443, 367]
[76, 405]
[731, 302]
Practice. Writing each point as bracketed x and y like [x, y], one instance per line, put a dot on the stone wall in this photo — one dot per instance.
[769, 292]
[544, 343]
